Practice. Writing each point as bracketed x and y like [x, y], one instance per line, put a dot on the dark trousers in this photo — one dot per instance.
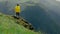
[17, 14]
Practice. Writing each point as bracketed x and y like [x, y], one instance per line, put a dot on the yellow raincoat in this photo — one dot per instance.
[17, 9]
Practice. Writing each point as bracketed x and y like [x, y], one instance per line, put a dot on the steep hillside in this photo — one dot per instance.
[8, 25]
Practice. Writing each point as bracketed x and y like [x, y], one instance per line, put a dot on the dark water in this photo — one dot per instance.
[38, 18]
[41, 20]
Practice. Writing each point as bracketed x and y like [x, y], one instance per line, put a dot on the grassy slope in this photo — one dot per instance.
[8, 26]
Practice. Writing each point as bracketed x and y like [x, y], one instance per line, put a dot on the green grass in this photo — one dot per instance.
[8, 26]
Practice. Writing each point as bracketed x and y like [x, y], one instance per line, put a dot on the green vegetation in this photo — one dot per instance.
[8, 25]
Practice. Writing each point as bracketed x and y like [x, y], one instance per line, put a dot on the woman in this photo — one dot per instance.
[17, 10]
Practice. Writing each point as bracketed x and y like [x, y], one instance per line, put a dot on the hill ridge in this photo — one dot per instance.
[8, 26]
